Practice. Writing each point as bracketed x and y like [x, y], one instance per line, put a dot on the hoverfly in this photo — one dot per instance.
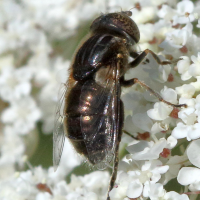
[93, 114]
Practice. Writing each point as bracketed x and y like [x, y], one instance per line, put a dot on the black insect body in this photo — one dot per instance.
[93, 113]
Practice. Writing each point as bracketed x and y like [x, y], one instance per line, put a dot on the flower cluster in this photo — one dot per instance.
[36, 44]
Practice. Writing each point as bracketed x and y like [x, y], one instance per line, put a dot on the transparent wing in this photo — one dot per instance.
[100, 121]
[58, 132]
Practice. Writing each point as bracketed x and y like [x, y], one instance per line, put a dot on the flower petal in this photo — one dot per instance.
[188, 175]
[134, 189]
[193, 152]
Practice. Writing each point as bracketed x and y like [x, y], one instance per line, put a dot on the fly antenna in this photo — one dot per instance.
[137, 6]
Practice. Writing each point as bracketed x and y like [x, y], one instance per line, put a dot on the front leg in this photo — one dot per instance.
[128, 83]
[134, 55]
[142, 56]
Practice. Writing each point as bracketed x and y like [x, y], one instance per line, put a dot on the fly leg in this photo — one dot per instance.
[115, 167]
[116, 152]
[157, 95]
[128, 83]
[130, 135]
[141, 57]
[136, 62]
[119, 119]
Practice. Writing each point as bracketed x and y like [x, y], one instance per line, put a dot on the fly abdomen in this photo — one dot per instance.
[86, 120]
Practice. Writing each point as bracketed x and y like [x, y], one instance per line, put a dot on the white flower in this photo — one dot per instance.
[169, 95]
[134, 189]
[89, 10]
[44, 196]
[180, 38]
[161, 28]
[40, 61]
[156, 191]
[180, 131]
[166, 12]
[20, 30]
[12, 153]
[179, 16]
[183, 8]
[185, 113]
[88, 184]
[190, 115]
[194, 69]
[37, 38]
[15, 83]
[159, 127]
[175, 163]
[140, 173]
[22, 115]
[83, 195]
[12, 147]
[24, 185]
[142, 121]
[143, 150]
[175, 196]
[183, 66]
[193, 153]
[158, 73]
[69, 160]
[189, 131]
[37, 184]
[146, 32]
[190, 176]
[52, 91]
[48, 100]
[146, 14]
[119, 191]
[186, 90]
[196, 84]
[160, 111]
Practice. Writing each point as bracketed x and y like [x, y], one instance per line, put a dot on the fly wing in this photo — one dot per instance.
[58, 132]
[101, 117]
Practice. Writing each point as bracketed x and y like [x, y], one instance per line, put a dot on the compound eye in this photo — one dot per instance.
[95, 24]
